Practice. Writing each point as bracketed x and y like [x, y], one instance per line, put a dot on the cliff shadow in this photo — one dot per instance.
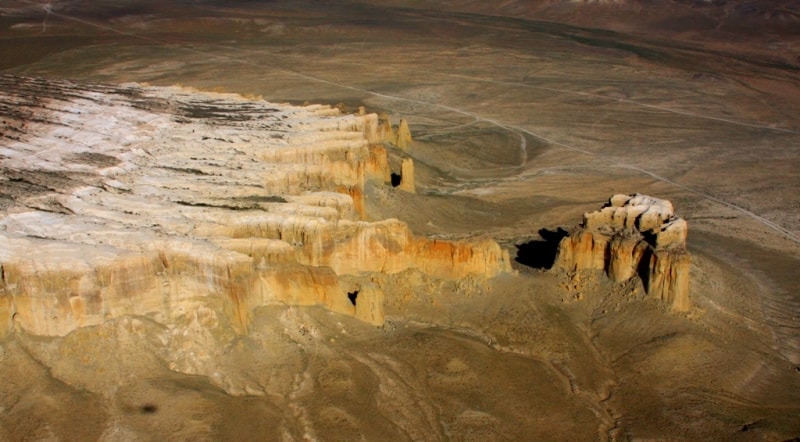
[541, 254]
[643, 268]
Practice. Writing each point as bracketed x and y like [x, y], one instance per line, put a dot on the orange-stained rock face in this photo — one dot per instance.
[212, 200]
[633, 235]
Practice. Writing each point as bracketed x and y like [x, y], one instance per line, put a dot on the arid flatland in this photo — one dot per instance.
[523, 119]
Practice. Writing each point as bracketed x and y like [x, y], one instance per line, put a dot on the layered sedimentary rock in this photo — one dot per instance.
[633, 235]
[118, 200]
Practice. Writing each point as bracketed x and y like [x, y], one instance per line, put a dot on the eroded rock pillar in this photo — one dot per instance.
[407, 176]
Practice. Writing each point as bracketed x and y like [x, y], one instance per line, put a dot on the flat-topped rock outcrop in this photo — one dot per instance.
[141, 200]
[633, 235]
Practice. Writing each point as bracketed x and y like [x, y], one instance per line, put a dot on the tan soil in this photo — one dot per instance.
[519, 126]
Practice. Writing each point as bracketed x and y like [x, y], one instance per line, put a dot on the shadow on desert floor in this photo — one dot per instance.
[541, 253]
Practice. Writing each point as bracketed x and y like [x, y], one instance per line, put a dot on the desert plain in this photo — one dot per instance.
[524, 116]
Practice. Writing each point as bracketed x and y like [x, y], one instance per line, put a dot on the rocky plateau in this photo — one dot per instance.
[137, 200]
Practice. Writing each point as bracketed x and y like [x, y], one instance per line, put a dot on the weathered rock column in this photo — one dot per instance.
[403, 136]
[407, 176]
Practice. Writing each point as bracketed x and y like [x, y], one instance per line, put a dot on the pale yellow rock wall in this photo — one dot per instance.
[668, 278]
[407, 182]
[369, 304]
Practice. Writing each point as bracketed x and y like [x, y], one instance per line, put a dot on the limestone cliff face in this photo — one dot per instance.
[132, 200]
[633, 235]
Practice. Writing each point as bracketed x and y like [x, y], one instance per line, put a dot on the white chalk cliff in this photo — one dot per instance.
[633, 235]
[136, 200]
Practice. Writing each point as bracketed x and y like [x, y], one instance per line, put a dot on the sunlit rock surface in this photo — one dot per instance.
[633, 235]
[140, 200]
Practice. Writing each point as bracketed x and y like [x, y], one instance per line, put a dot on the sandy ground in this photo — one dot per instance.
[519, 126]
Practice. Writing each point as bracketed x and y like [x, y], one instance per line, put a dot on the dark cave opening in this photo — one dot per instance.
[352, 296]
